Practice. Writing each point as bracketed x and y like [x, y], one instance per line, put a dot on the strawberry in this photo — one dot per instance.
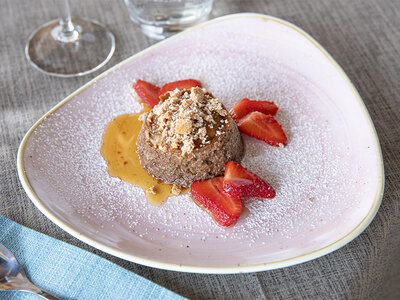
[247, 106]
[147, 92]
[263, 127]
[240, 182]
[180, 85]
[209, 195]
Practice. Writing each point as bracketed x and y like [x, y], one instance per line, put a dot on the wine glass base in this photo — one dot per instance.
[159, 32]
[91, 50]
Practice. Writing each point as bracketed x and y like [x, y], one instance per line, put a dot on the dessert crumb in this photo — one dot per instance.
[176, 190]
[142, 117]
[152, 190]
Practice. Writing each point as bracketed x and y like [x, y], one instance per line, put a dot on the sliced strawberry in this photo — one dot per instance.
[263, 127]
[208, 194]
[240, 182]
[147, 92]
[180, 85]
[247, 106]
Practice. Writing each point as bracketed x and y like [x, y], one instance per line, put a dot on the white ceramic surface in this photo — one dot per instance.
[329, 178]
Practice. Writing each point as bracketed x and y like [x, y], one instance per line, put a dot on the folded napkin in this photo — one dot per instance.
[69, 272]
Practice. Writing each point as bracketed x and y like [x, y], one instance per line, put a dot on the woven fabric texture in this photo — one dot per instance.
[69, 272]
[364, 38]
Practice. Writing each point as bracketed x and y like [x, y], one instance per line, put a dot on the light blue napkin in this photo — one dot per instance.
[69, 272]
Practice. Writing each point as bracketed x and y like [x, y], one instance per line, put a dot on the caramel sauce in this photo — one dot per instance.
[119, 151]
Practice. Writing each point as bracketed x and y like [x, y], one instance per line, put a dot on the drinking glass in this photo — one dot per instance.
[69, 47]
[159, 19]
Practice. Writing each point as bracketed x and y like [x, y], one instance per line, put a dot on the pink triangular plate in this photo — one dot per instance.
[329, 178]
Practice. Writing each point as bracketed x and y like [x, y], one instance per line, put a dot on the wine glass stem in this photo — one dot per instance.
[68, 31]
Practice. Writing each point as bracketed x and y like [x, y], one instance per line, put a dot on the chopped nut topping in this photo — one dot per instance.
[184, 119]
[182, 126]
[176, 190]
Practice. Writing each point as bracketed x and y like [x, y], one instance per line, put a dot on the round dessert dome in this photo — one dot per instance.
[188, 136]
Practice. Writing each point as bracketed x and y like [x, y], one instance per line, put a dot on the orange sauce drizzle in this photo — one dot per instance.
[119, 151]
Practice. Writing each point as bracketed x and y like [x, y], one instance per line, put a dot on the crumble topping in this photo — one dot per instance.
[176, 190]
[185, 120]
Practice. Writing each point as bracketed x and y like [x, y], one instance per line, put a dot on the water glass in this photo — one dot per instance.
[159, 19]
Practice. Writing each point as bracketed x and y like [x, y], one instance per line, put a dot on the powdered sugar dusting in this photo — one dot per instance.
[312, 174]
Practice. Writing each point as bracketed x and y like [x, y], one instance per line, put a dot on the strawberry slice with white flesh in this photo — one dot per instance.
[147, 92]
[180, 85]
[240, 182]
[263, 127]
[247, 106]
[209, 195]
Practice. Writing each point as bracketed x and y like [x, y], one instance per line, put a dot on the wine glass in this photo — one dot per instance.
[69, 47]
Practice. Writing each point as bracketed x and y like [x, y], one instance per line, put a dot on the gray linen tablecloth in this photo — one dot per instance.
[362, 35]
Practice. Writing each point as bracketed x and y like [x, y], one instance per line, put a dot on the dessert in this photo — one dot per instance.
[188, 139]
[119, 146]
[188, 136]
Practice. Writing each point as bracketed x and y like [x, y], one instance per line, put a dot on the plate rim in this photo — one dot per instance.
[357, 230]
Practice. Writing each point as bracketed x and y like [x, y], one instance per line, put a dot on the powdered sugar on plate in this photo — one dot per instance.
[313, 175]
